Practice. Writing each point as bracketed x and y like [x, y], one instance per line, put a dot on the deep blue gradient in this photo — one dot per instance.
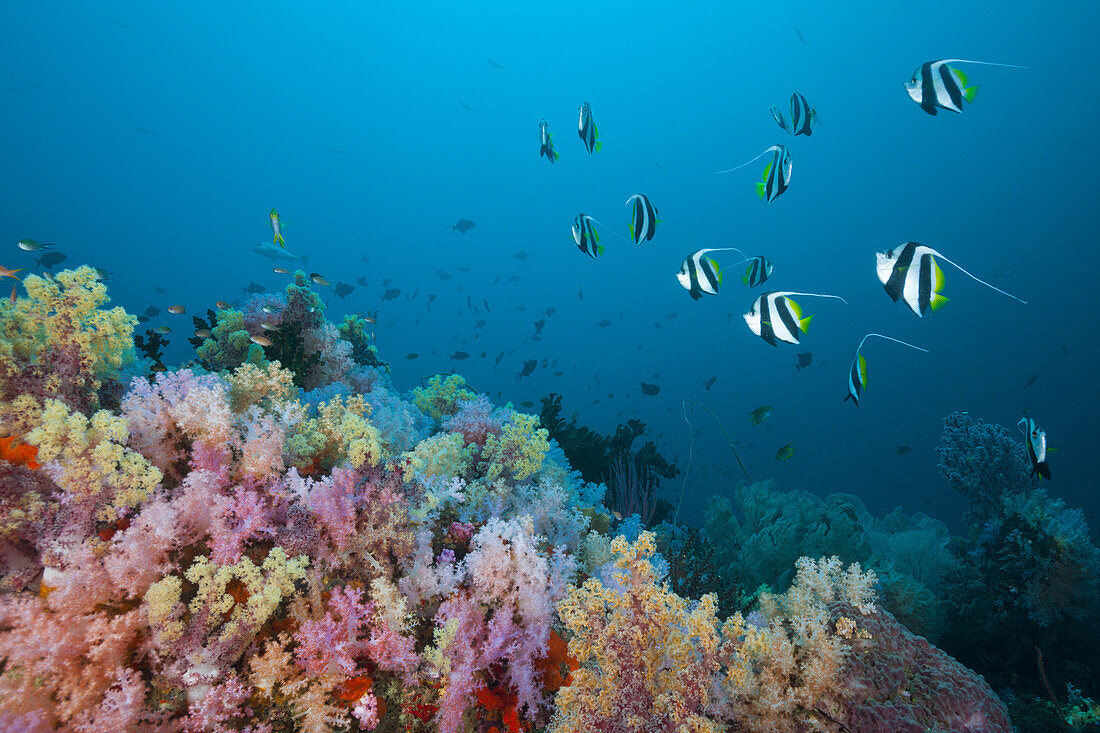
[152, 139]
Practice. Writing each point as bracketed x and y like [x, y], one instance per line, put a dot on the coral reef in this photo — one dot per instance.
[280, 540]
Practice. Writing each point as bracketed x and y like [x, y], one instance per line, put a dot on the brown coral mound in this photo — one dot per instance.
[896, 681]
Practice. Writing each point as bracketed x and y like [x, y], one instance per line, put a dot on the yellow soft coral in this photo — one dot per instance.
[95, 466]
[61, 317]
[642, 638]
[265, 587]
[443, 454]
[265, 386]
[341, 432]
[439, 399]
[518, 451]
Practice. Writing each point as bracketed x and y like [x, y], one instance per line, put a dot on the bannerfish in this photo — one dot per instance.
[279, 254]
[777, 173]
[650, 389]
[462, 226]
[802, 361]
[586, 128]
[1036, 441]
[775, 317]
[910, 272]
[643, 218]
[586, 237]
[760, 414]
[802, 117]
[759, 270]
[277, 229]
[700, 274]
[546, 143]
[785, 452]
[857, 375]
[936, 84]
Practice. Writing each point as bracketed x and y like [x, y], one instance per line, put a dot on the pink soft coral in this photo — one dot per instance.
[331, 643]
[474, 420]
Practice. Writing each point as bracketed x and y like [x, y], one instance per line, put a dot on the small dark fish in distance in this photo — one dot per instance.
[460, 355]
[485, 303]
[465, 106]
[1031, 381]
[159, 290]
[143, 319]
[902, 450]
[254, 288]
[391, 293]
[343, 289]
[650, 389]
[494, 64]
[50, 259]
[362, 280]
[364, 258]
[549, 311]
[709, 383]
[411, 355]
[521, 255]
[386, 282]
[802, 361]
[527, 403]
[539, 324]
[529, 367]
[443, 274]
[462, 226]
[480, 324]
[152, 311]
[604, 323]
[785, 452]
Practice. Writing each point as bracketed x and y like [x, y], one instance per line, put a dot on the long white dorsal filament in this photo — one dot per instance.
[607, 228]
[816, 295]
[983, 282]
[889, 338]
[984, 63]
[730, 170]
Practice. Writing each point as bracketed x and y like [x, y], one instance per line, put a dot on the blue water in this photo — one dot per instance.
[152, 140]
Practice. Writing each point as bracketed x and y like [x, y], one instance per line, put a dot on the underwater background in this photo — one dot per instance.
[152, 140]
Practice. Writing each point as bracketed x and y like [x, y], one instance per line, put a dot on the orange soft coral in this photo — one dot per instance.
[18, 452]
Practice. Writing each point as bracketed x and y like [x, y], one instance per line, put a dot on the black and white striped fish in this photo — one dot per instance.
[546, 143]
[586, 128]
[857, 375]
[699, 274]
[1036, 441]
[643, 218]
[777, 173]
[775, 317]
[802, 117]
[759, 270]
[937, 84]
[586, 236]
[910, 273]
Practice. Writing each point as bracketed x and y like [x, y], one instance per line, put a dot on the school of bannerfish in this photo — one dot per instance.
[909, 272]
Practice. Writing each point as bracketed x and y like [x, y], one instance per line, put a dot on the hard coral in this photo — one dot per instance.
[897, 681]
